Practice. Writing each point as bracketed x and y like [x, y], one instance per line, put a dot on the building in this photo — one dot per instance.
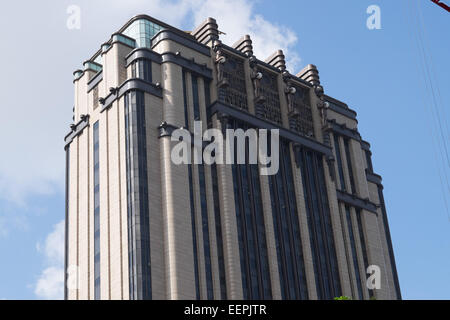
[139, 226]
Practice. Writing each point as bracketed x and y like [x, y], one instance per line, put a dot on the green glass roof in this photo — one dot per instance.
[142, 31]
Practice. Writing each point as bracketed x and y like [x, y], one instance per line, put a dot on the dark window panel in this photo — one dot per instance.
[354, 252]
[97, 281]
[287, 230]
[191, 197]
[250, 223]
[349, 165]
[137, 196]
[337, 149]
[319, 223]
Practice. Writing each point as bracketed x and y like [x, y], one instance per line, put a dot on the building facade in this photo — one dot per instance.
[139, 226]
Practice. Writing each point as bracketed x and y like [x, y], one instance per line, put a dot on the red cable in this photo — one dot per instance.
[441, 4]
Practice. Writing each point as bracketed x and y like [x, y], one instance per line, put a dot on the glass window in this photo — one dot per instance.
[337, 150]
[220, 255]
[369, 161]
[92, 66]
[142, 69]
[142, 31]
[137, 197]
[205, 231]
[96, 145]
[349, 165]
[124, 40]
[191, 195]
[195, 97]
[287, 230]
[363, 244]
[319, 223]
[250, 223]
[354, 252]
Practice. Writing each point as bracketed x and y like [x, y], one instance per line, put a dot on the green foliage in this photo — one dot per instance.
[342, 298]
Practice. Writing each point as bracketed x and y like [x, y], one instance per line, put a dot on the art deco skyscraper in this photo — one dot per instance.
[139, 226]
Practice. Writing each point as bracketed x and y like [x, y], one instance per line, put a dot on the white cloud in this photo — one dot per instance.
[54, 244]
[237, 18]
[38, 96]
[50, 284]
[234, 17]
[36, 119]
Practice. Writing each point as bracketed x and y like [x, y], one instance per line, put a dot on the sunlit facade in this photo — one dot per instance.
[139, 226]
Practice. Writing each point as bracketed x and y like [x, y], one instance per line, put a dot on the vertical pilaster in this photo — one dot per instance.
[229, 228]
[270, 237]
[304, 230]
[178, 246]
[337, 232]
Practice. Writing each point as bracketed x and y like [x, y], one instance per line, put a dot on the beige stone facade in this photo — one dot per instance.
[139, 226]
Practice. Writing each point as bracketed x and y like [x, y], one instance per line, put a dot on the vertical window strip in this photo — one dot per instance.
[142, 69]
[194, 235]
[266, 291]
[250, 223]
[148, 71]
[286, 233]
[185, 98]
[287, 230]
[294, 223]
[321, 226]
[133, 70]
[369, 161]
[363, 244]
[137, 197]
[349, 165]
[191, 197]
[217, 214]
[143, 190]
[249, 241]
[242, 246]
[205, 230]
[354, 252]
[207, 97]
[326, 214]
[278, 244]
[96, 146]
[313, 232]
[130, 216]
[325, 288]
[319, 222]
[195, 97]
[203, 200]
[337, 149]
[346, 245]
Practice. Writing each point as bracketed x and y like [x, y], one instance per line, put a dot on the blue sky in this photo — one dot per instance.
[376, 72]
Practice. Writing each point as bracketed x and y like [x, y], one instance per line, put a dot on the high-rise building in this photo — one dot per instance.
[139, 226]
